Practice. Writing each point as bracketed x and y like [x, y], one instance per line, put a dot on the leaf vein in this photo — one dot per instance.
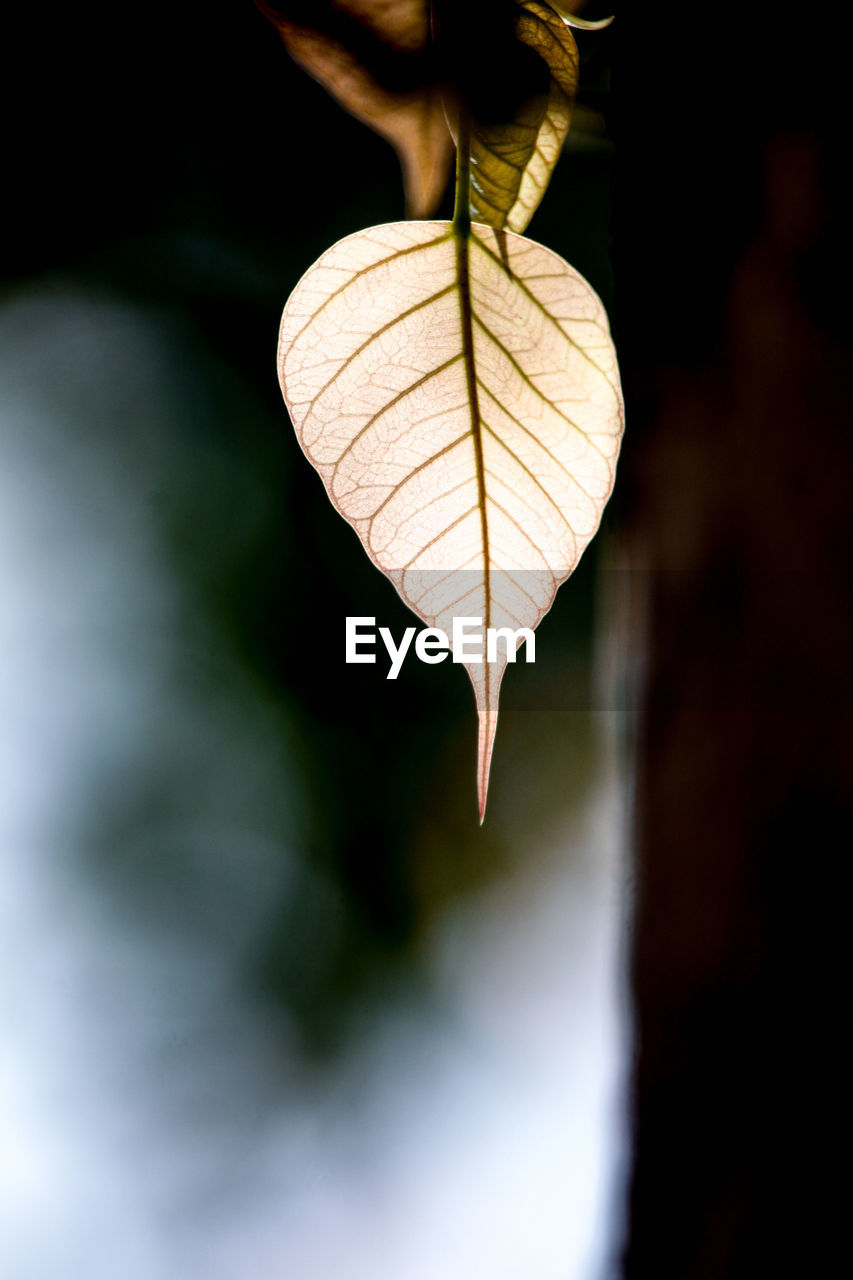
[359, 275]
[433, 373]
[530, 383]
[379, 333]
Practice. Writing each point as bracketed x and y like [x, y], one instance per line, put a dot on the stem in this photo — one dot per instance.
[462, 237]
[461, 207]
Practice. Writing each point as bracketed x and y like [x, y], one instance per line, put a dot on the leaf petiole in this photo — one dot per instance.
[462, 200]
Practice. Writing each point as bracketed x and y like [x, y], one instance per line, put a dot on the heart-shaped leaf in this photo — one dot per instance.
[512, 160]
[457, 390]
[368, 54]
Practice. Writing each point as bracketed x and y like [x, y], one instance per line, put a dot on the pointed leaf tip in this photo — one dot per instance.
[486, 679]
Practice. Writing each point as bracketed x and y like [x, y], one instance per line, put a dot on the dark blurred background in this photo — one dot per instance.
[271, 1000]
[733, 270]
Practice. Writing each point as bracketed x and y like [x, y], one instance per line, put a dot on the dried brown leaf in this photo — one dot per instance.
[409, 114]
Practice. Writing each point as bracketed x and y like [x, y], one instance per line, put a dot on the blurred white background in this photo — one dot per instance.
[161, 1119]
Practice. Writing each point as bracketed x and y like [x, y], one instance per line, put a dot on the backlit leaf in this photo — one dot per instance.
[512, 161]
[345, 55]
[460, 399]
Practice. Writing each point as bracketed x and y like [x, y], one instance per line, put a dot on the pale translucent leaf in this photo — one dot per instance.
[412, 121]
[460, 399]
[512, 161]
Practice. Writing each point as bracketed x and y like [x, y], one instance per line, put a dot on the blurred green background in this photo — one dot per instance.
[272, 1000]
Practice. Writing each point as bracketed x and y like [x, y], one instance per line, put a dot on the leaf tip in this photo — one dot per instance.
[487, 713]
[482, 797]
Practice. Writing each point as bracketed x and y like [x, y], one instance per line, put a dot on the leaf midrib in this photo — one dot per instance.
[462, 240]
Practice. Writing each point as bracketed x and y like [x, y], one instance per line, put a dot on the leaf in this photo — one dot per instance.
[460, 399]
[345, 52]
[582, 24]
[512, 161]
